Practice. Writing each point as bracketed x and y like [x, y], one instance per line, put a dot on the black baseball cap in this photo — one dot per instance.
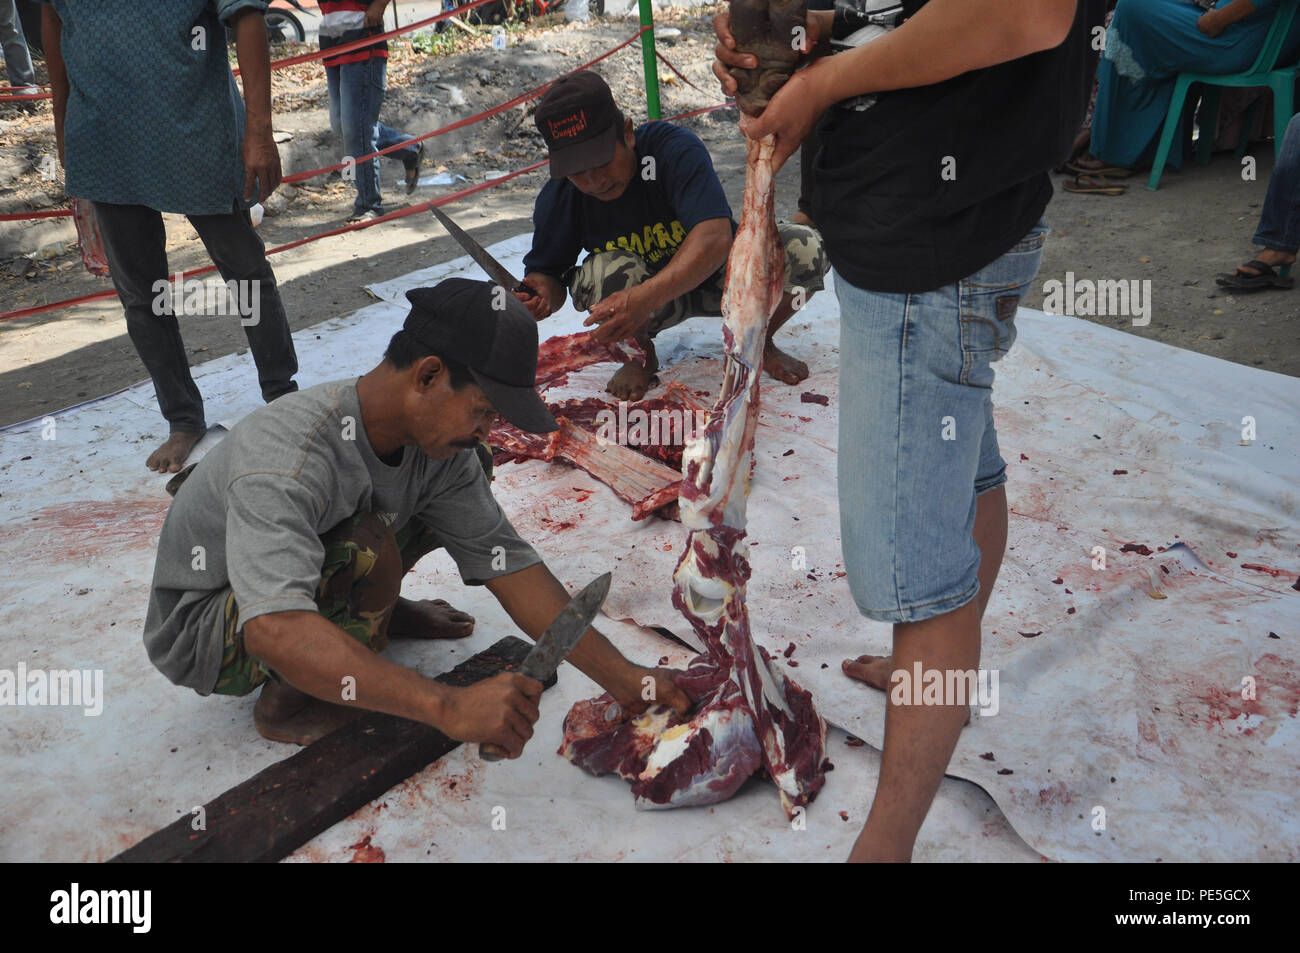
[486, 328]
[580, 123]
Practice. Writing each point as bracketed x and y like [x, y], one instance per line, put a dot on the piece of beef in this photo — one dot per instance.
[747, 707]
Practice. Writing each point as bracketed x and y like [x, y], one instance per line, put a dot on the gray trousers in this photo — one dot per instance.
[135, 244]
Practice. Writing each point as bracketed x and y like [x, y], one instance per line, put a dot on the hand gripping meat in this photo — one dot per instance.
[774, 31]
[748, 715]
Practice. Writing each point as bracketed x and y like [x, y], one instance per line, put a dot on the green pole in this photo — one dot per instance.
[650, 60]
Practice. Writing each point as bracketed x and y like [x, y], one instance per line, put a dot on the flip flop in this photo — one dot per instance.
[1267, 278]
[1094, 185]
[1106, 171]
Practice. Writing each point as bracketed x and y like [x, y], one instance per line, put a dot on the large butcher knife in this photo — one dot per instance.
[495, 270]
[557, 641]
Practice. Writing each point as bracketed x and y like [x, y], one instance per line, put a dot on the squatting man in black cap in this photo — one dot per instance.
[649, 210]
[281, 560]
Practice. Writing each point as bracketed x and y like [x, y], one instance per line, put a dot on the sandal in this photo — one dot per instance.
[1267, 278]
[1094, 185]
[1074, 167]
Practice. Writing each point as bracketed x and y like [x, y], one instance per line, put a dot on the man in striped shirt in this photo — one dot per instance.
[356, 80]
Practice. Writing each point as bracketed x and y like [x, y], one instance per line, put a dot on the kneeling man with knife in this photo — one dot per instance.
[281, 559]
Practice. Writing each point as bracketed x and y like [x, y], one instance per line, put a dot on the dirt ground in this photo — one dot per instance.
[1198, 224]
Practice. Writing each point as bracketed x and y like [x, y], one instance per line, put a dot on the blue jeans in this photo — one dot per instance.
[1279, 222]
[356, 92]
[18, 61]
[917, 442]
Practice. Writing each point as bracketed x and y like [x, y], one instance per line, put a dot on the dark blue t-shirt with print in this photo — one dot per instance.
[666, 198]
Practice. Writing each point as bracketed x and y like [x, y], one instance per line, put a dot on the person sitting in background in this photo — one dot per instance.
[1279, 223]
[1148, 44]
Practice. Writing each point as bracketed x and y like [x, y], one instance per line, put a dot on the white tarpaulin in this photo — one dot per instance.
[1143, 690]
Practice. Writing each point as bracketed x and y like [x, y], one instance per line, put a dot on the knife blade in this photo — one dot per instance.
[495, 270]
[564, 632]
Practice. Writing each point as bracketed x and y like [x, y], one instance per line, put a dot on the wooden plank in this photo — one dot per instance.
[282, 807]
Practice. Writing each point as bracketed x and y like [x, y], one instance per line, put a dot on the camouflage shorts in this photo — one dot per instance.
[360, 581]
[606, 272]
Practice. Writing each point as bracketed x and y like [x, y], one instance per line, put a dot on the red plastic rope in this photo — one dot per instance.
[399, 213]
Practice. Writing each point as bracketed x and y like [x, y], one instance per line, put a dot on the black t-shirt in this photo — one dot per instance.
[930, 185]
[668, 196]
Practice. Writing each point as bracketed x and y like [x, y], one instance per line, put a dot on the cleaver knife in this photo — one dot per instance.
[557, 641]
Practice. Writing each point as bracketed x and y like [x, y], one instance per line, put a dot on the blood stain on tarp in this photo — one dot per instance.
[1232, 555]
[1057, 794]
[853, 741]
[90, 528]
[808, 397]
[1141, 549]
[365, 852]
[1057, 581]
[1032, 635]
[1070, 611]
[1257, 567]
[988, 756]
[1005, 771]
[844, 815]
[1118, 472]
[789, 650]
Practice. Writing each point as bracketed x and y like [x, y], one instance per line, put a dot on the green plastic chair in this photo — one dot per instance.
[1264, 72]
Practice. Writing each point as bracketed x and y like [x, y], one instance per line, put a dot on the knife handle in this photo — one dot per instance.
[490, 752]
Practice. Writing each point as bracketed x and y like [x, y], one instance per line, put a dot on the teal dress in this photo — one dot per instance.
[1148, 44]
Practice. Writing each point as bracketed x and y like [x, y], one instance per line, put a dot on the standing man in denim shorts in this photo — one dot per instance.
[931, 186]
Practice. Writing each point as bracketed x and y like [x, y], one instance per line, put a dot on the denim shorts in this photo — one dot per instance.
[917, 443]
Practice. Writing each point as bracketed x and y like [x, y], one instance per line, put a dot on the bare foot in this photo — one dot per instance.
[171, 456]
[428, 619]
[787, 369]
[872, 669]
[875, 671]
[630, 382]
[1269, 256]
[285, 714]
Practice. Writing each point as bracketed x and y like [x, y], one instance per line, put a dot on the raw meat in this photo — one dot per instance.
[747, 715]
[663, 441]
[89, 241]
[639, 475]
[557, 357]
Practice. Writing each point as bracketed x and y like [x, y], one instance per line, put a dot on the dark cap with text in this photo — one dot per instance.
[580, 123]
[486, 328]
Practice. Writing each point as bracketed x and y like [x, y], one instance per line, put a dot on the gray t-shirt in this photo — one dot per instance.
[250, 516]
